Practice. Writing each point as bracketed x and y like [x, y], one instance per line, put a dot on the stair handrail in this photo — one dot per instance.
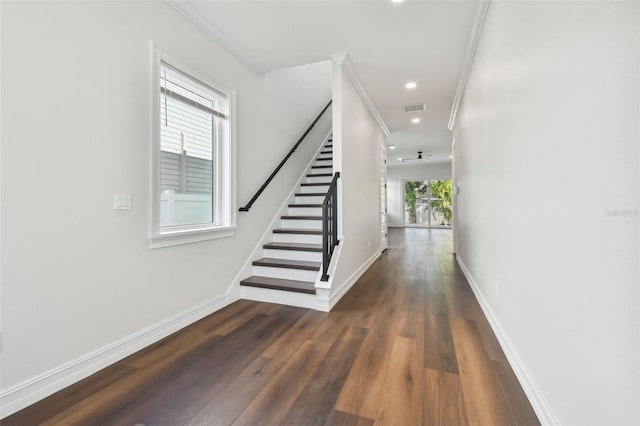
[329, 225]
[284, 160]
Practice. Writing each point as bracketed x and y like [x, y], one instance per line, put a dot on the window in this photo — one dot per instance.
[193, 185]
[428, 203]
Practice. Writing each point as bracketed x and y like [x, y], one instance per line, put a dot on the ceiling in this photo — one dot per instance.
[388, 44]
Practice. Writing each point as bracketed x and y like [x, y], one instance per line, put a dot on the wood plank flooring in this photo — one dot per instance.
[408, 345]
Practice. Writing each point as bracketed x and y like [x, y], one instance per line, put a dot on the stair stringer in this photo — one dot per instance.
[235, 291]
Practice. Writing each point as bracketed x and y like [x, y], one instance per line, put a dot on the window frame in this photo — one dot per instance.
[223, 166]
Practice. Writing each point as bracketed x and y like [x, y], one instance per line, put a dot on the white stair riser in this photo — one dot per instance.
[268, 295]
[311, 256]
[285, 273]
[301, 224]
[305, 211]
[312, 199]
[297, 238]
[314, 188]
[321, 169]
[321, 179]
[329, 155]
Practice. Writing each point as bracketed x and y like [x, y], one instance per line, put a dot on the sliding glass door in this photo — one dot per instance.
[428, 203]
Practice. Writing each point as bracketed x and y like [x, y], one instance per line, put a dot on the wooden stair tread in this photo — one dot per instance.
[324, 159]
[288, 263]
[279, 284]
[305, 205]
[319, 175]
[294, 246]
[321, 167]
[290, 217]
[316, 184]
[297, 231]
[310, 194]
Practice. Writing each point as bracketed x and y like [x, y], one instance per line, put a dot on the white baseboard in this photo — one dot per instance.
[339, 292]
[37, 388]
[531, 389]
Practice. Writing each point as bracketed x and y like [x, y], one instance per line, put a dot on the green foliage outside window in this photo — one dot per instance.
[412, 191]
[441, 192]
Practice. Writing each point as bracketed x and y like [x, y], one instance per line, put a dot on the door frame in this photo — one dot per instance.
[383, 210]
[454, 196]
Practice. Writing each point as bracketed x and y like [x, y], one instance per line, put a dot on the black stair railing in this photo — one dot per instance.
[284, 160]
[329, 225]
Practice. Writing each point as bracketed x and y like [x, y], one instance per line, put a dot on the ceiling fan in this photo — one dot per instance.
[419, 158]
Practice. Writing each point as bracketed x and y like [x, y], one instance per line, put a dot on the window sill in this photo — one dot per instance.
[174, 238]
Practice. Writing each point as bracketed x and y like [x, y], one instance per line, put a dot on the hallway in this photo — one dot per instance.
[408, 345]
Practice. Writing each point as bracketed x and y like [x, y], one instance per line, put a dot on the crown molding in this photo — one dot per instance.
[343, 60]
[188, 11]
[472, 46]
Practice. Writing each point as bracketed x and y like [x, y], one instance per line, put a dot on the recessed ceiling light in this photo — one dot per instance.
[415, 120]
[411, 85]
[451, 156]
[397, 1]
[392, 147]
[400, 160]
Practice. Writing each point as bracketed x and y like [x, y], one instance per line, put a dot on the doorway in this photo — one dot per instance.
[384, 241]
[427, 203]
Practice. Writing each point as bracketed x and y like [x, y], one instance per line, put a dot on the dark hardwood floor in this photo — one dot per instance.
[408, 345]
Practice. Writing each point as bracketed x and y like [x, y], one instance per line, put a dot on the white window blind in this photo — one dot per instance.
[189, 111]
[194, 157]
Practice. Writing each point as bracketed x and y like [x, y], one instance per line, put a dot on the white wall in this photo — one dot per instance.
[356, 146]
[395, 189]
[291, 99]
[547, 148]
[80, 286]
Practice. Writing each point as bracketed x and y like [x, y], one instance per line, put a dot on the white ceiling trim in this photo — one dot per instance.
[472, 46]
[343, 59]
[192, 15]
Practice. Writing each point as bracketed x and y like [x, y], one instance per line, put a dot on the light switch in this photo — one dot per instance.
[122, 201]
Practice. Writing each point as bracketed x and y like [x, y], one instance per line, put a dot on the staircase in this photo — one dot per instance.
[292, 261]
